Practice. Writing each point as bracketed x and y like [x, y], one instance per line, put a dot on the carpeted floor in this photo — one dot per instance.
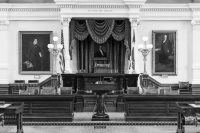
[82, 124]
[100, 129]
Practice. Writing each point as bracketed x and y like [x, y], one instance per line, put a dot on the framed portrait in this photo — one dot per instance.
[34, 57]
[164, 52]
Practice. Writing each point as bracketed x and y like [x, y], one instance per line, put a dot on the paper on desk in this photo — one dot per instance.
[4, 106]
[195, 105]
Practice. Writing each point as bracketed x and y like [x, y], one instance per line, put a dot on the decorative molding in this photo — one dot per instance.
[29, 9]
[134, 6]
[196, 24]
[195, 9]
[134, 22]
[166, 9]
[65, 21]
[97, 6]
[196, 27]
[3, 26]
[4, 9]
[34, 9]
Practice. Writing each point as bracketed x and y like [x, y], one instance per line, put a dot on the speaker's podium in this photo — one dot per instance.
[101, 65]
[100, 88]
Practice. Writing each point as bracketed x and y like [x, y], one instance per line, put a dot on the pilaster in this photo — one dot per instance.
[4, 51]
[134, 49]
[195, 52]
[65, 24]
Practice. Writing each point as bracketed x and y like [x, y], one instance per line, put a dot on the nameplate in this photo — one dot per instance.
[164, 76]
[100, 127]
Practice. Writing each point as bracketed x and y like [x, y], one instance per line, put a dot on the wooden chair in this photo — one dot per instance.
[150, 90]
[132, 90]
[65, 90]
[167, 91]
[2, 119]
[33, 83]
[185, 88]
[47, 91]
[19, 85]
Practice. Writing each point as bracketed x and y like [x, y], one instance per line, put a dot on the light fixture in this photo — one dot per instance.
[145, 49]
[54, 49]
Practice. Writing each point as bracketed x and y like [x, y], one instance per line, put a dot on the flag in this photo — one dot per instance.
[62, 55]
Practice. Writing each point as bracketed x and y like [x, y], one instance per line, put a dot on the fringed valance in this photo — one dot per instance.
[119, 31]
[100, 30]
[81, 31]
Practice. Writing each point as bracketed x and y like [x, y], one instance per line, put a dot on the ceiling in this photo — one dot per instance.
[52, 1]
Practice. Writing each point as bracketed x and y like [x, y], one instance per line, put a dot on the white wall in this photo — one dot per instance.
[184, 48]
[13, 45]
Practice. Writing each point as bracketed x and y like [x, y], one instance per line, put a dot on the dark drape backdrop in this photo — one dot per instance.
[111, 33]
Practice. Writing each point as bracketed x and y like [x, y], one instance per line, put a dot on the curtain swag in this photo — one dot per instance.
[100, 30]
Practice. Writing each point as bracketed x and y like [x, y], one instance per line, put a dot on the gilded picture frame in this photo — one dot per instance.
[164, 52]
[34, 57]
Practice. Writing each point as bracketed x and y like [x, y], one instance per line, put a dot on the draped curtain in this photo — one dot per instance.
[87, 33]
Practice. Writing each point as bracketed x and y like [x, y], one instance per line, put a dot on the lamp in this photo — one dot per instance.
[145, 49]
[54, 49]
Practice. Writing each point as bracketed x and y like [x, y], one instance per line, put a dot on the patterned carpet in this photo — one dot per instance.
[82, 124]
[84, 119]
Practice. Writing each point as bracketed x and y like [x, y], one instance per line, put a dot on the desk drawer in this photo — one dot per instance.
[9, 110]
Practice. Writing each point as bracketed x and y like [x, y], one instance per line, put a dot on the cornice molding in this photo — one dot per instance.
[29, 9]
[166, 9]
[94, 6]
[195, 9]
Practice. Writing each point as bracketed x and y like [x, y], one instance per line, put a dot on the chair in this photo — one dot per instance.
[33, 83]
[168, 91]
[2, 119]
[19, 85]
[185, 88]
[47, 91]
[65, 90]
[132, 90]
[23, 92]
[150, 90]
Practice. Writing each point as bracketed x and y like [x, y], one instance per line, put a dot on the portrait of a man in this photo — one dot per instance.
[100, 52]
[164, 52]
[34, 55]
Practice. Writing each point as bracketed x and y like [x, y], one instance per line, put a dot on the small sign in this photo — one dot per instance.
[100, 127]
[164, 76]
[37, 76]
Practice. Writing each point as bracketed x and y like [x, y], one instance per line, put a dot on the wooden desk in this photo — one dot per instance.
[154, 107]
[15, 110]
[44, 107]
[185, 109]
